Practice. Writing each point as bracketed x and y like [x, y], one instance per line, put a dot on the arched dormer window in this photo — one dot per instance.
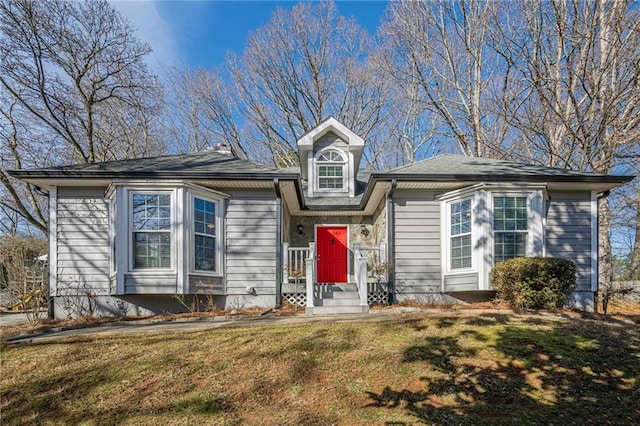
[331, 166]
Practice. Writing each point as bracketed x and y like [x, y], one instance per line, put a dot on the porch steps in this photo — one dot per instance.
[337, 299]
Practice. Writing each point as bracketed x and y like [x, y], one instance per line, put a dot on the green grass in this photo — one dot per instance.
[444, 369]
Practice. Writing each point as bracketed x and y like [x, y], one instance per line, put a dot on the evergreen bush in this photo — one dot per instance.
[534, 282]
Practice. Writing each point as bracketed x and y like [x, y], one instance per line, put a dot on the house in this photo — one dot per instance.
[128, 236]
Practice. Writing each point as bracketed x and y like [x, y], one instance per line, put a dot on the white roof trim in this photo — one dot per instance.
[330, 125]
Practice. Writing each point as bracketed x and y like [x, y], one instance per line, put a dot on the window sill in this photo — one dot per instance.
[461, 272]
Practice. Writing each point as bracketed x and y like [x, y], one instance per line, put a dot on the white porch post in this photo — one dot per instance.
[309, 281]
[361, 275]
[285, 263]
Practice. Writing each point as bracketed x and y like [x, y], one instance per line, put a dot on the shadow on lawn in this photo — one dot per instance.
[546, 372]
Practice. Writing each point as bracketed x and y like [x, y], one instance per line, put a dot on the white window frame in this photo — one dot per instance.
[219, 234]
[130, 230]
[526, 232]
[535, 231]
[450, 236]
[343, 163]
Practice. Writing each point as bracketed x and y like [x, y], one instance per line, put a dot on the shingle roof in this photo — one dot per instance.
[460, 167]
[200, 164]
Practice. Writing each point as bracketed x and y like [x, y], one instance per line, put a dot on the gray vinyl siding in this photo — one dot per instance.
[205, 284]
[330, 140]
[568, 232]
[150, 284]
[82, 246]
[461, 282]
[417, 242]
[250, 244]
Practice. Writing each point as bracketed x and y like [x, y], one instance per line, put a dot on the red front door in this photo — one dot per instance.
[331, 246]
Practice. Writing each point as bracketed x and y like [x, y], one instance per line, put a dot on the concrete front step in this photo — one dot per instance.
[337, 302]
[328, 288]
[337, 295]
[329, 310]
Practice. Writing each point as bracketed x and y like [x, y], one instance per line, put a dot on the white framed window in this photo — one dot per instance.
[485, 224]
[331, 171]
[460, 248]
[510, 227]
[150, 224]
[205, 234]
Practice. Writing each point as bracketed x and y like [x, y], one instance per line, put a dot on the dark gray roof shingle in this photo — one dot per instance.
[461, 165]
[199, 164]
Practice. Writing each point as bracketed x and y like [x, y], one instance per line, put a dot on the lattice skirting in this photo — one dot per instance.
[378, 298]
[373, 298]
[299, 299]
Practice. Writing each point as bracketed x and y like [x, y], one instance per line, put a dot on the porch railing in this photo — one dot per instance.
[295, 263]
[371, 270]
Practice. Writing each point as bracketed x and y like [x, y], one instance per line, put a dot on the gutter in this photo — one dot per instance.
[279, 271]
[391, 247]
[55, 174]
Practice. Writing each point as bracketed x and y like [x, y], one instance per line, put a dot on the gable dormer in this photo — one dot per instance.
[329, 159]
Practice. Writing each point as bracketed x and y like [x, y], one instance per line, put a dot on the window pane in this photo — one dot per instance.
[205, 253]
[461, 252]
[461, 217]
[152, 250]
[204, 217]
[510, 214]
[330, 156]
[151, 212]
[330, 171]
[330, 177]
[509, 245]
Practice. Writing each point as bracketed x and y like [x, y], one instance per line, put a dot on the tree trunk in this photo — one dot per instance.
[605, 259]
[635, 254]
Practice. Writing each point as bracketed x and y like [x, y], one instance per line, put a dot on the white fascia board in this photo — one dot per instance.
[331, 125]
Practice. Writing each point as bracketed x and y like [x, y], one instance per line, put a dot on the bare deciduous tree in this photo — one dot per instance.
[203, 108]
[74, 88]
[444, 49]
[304, 65]
[580, 60]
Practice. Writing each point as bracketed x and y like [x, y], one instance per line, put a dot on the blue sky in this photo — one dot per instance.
[201, 32]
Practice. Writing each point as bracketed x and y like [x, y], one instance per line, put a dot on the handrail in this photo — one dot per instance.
[295, 263]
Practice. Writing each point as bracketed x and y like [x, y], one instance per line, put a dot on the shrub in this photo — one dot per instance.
[534, 282]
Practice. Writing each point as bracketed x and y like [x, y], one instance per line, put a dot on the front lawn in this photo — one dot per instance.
[449, 368]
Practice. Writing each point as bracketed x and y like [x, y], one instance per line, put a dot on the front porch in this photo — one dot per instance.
[368, 285]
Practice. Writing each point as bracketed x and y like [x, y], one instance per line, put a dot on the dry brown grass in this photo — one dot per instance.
[449, 368]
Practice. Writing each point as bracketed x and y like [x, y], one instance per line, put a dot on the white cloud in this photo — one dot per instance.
[153, 29]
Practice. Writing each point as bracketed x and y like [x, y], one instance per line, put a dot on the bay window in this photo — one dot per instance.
[486, 224]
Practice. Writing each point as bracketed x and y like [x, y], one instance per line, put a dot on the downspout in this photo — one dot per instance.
[600, 196]
[279, 277]
[391, 247]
